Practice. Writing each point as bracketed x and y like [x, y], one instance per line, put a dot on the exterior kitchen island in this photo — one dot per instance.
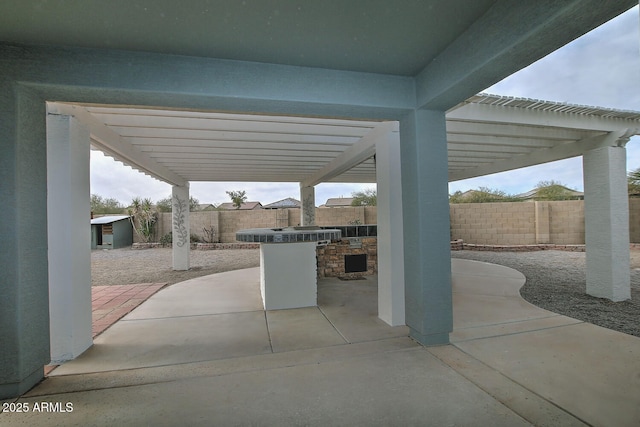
[288, 276]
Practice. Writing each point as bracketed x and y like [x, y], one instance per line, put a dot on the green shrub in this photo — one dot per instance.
[167, 239]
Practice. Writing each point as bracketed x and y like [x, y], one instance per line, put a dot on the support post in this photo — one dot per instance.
[390, 233]
[180, 227]
[69, 237]
[24, 301]
[427, 250]
[606, 204]
[308, 211]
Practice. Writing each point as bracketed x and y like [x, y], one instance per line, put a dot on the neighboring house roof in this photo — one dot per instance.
[338, 202]
[289, 202]
[108, 219]
[244, 207]
[205, 206]
[469, 193]
[531, 194]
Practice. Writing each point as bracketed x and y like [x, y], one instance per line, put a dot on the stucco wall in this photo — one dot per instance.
[478, 223]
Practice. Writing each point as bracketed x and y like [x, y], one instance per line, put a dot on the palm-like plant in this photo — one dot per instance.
[633, 180]
[143, 217]
[237, 198]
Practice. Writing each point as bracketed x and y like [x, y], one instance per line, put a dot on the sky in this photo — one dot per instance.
[601, 68]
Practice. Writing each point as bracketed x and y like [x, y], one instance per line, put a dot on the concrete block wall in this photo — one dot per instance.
[494, 223]
[197, 221]
[370, 215]
[560, 222]
[634, 219]
[232, 221]
[341, 216]
[567, 222]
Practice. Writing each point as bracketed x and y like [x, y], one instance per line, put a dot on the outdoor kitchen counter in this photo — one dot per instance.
[288, 267]
[287, 235]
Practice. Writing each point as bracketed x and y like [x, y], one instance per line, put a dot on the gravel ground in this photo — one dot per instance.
[556, 282]
[129, 266]
[555, 279]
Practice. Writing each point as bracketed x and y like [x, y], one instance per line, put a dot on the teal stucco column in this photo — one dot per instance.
[427, 250]
[24, 301]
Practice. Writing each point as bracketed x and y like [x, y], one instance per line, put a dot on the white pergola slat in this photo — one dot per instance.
[486, 134]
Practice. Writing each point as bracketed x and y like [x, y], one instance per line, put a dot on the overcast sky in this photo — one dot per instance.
[602, 69]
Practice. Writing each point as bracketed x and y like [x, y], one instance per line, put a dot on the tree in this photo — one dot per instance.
[482, 195]
[633, 180]
[367, 197]
[553, 190]
[143, 217]
[237, 198]
[166, 204]
[101, 205]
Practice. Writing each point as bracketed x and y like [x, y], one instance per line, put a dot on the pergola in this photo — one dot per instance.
[282, 91]
[485, 134]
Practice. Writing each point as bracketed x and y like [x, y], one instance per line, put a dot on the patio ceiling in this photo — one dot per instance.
[486, 134]
[376, 36]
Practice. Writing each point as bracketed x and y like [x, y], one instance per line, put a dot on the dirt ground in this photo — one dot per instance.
[130, 266]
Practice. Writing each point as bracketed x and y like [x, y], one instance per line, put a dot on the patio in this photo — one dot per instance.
[376, 64]
[205, 352]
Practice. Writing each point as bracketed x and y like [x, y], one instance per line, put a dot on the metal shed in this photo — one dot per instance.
[111, 232]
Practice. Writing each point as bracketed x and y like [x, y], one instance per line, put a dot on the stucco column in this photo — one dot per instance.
[425, 210]
[390, 234]
[69, 237]
[606, 213]
[180, 227]
[308, 211]
[24, 288]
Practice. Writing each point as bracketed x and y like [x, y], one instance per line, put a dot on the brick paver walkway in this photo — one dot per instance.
[111, 303]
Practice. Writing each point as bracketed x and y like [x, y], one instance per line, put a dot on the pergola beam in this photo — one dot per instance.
[469, 126]
[533, 117]
[501, 141]
[353, 156]
[105, 139]
[558, 152]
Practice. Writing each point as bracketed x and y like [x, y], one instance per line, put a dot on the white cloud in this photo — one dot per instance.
[112, 179]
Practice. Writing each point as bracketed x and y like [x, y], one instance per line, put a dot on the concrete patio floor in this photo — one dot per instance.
[204, 352]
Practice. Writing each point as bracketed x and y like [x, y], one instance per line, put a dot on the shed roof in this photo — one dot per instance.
[108, 219]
